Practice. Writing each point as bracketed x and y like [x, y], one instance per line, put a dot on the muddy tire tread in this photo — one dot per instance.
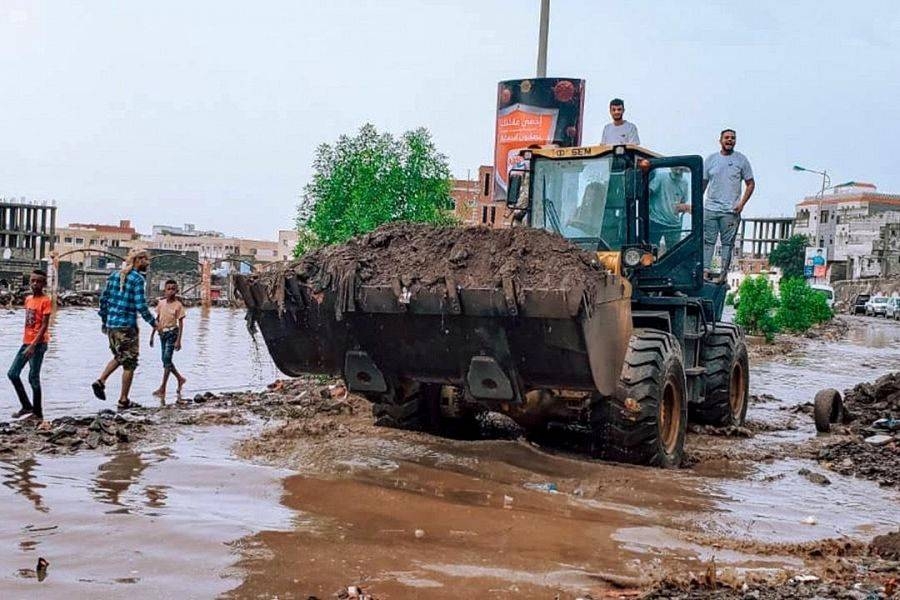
[400, 409]
[718, 353]
[828, 409]
[623, 437]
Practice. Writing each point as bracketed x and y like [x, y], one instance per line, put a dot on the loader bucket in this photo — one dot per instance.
[495, 342]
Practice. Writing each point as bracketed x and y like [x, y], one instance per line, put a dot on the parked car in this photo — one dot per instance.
[827, 291]
[893, 309]
[858, 307]
[877, 306]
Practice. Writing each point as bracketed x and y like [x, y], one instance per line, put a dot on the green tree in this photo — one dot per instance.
[756, 307]
[789, 256]
[801, 307]
[365, 180]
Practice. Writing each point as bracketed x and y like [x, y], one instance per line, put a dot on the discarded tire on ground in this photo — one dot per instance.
[727, 390]
[828, 408]
[646, 422]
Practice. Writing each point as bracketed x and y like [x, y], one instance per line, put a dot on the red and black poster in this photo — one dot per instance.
[534, 111]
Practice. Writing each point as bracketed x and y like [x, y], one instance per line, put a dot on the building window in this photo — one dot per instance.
[487, 185]
[484, 214]
[823, 216]
[79, 241]
[67, 240]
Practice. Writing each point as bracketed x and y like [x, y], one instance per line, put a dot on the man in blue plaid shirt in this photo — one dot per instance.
[122, 300]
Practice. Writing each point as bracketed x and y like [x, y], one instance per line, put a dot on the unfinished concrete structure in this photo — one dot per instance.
[758, 236]
[27, 232]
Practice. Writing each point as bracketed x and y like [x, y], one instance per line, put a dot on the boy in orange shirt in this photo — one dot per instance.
[170, 318]
[34, 344]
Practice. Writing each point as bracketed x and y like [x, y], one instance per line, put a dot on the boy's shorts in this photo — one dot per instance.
[124, 343]
[167, 341]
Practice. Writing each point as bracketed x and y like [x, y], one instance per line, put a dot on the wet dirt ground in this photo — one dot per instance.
[268, 509]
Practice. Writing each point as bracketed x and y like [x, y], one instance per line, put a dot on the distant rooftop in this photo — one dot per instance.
[852, 191]
[124, 226]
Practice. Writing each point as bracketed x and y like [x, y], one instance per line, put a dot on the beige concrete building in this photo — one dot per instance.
[77, 237]
[287, 241]
[856, 225]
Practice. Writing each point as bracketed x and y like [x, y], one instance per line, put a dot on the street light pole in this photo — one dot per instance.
[542, 39]
[826, 180]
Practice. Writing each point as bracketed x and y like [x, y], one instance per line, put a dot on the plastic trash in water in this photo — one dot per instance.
[548, 487]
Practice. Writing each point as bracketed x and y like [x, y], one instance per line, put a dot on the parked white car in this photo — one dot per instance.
[893, 308]
[827, 290]
[877, 306]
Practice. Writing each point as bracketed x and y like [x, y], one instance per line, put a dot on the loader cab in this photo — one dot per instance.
[636, 209]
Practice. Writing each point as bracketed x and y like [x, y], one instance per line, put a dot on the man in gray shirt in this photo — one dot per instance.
[668, 202]
[723, 173]
[619, 131]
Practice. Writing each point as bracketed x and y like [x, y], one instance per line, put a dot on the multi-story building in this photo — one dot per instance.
[73, 239]
[287, 241]
[212, 246]
[474, 204]
[208, 247]
[850, 224]
[262, 251]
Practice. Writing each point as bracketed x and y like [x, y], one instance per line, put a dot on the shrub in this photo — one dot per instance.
[801, 306]
[758, 302]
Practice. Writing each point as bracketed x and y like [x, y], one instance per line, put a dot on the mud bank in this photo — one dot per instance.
[784, 344]
[306, 403]
[864, 449]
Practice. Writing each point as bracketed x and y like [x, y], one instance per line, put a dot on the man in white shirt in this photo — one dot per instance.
[619, 131]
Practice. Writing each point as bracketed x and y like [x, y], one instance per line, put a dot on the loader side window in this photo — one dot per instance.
[670, 204]
[579, 199]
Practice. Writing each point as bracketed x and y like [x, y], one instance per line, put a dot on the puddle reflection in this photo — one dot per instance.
[123, 470]
[19, 476]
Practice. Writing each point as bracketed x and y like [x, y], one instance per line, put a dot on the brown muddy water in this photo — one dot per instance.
[407, 515]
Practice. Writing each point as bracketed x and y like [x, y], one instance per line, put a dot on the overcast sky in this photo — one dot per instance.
[209, 112]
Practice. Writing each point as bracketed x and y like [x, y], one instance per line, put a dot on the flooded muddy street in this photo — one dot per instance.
[408, 515]
[303, 496]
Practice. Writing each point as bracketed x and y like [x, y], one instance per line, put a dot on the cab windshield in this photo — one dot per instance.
[579, 199]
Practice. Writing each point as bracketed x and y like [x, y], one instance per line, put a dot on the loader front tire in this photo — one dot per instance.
[646, 421]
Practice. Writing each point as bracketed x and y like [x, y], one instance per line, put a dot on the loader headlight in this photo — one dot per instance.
[632, 257]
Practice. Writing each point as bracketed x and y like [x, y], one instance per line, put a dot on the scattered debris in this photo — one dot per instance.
[814, 477]
[879, 440]
[887, 546]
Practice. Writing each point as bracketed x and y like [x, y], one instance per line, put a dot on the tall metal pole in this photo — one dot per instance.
[542, 39]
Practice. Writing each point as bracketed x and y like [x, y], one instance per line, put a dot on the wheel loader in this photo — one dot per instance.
[628, 364]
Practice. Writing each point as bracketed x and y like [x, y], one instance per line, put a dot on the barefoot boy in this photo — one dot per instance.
[34, 345]
[170, 315]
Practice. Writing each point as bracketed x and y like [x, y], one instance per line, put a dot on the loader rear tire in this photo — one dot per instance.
[405, 405]
[645, 422]
[727, 391]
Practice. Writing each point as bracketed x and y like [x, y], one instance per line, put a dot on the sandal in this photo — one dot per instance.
[128, 404]
[99, 389]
